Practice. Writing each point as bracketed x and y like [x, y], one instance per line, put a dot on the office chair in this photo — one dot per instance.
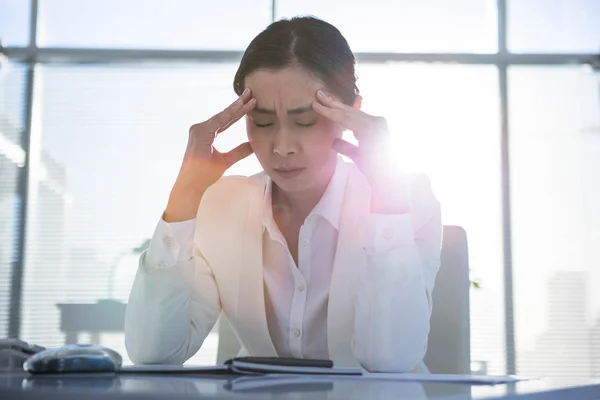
[449, 348]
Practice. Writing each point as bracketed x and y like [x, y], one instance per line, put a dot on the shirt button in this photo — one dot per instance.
[387, 233]
[163, 265]
[305, 242]
[296, 333]
[169, 241]
[301, 287]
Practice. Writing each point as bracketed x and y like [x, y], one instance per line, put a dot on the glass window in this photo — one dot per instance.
[12, 159]
[175, 24]
[406, 26]
[112, 139]
[107, 163]
[554, 26]
[555, 185]
[14, 22]
[445, 122]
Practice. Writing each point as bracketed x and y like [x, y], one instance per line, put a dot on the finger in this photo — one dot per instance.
[348, 149]
[237, 154]
[356, 120]
[220, 119]
[330, 101]
[377, 131]
[238, 115]
[345, 117]
[334, 114]
[233, 121]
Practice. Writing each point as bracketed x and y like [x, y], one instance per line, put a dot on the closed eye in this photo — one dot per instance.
[306, 125]
[263, 125]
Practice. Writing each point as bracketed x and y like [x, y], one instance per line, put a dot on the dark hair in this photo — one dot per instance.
[309, 42]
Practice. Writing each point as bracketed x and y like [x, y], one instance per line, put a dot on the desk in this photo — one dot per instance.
[23, 386]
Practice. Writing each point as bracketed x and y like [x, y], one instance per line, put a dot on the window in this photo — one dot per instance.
[12, 160]
[14, 22]
[459, 150]
[555, 154]
[103, 176]
[554, 26]
[174, 24]
[426, 26]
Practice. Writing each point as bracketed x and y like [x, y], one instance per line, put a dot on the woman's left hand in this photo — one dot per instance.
[371, 155]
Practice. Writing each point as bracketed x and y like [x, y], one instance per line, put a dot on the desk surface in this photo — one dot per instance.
[23, 386]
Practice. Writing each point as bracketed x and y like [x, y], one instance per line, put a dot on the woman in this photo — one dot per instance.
[314, 257]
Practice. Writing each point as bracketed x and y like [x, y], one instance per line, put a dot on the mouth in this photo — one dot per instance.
[288, 173]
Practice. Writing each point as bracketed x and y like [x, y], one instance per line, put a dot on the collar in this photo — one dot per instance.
[330, 205]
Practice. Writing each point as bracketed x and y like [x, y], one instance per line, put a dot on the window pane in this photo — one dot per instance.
[175, 24]
[112, 139]
[554, 26]
[14, 22]
[405, 25]
[95, 200]
[555, 155]
[12, 159]
[445, 122]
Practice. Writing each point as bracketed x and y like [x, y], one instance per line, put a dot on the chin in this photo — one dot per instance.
[291, 185]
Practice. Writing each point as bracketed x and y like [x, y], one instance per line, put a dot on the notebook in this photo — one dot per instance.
[249, 366]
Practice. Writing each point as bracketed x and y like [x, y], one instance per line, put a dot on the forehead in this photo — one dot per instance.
[290, 85]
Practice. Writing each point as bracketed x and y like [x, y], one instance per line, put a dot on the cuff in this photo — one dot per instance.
[387, 232]
[172, 243]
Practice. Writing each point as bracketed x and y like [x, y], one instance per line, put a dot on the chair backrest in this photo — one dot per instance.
[449, 349]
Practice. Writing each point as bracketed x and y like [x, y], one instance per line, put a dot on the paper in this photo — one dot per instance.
[448, 378]
[316, 374]
[408, 377]
[237, 367]
[456, 378]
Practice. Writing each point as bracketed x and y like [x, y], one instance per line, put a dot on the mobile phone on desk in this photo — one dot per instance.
[285, 362]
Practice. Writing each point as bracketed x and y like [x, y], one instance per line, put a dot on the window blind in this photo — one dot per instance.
[12, 159]
[555, 153]
[111, 142]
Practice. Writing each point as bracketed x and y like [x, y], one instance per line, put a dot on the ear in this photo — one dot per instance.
[357, 102]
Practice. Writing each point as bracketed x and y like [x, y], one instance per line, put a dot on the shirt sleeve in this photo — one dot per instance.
[172, 243]
[388, 232]
[393, 301]
[174, 301]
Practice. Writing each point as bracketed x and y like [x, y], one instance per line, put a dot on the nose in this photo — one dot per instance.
[284, 144]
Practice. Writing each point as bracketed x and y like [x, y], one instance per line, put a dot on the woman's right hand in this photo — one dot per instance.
[202, 164]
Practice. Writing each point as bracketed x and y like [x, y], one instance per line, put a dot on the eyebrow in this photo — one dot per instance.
[299, 110]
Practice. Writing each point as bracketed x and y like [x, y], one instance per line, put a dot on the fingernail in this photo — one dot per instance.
[322, 93]
[245, 91]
